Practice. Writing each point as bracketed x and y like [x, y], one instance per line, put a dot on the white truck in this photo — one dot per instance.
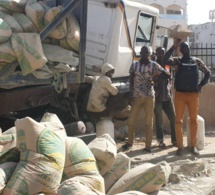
[111, 31]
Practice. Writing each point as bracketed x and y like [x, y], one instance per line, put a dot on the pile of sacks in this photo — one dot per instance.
[20, 43]
[39, 158]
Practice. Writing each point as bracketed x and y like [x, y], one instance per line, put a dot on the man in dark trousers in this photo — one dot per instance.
[163, 102]
[187, 89]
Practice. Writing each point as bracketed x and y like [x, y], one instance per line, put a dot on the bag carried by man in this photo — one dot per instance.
[187, 76]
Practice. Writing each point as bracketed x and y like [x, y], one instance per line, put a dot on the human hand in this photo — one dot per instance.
[199, 88]
[176, 43]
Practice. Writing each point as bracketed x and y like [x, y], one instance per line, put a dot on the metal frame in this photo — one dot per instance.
[205, 52]
[83, 30]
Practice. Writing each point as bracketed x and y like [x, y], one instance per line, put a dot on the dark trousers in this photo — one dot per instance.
[168, 108]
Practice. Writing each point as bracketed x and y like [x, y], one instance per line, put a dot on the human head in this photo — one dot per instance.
[160, 51]
[184, 48]
[145, 52]
[108, 70]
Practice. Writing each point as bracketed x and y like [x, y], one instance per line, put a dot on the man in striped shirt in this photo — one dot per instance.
[143, 95]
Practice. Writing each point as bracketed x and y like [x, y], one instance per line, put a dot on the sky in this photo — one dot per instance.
[198, 11]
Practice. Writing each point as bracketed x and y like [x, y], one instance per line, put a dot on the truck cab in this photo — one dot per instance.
[116, 31]
[111, 31]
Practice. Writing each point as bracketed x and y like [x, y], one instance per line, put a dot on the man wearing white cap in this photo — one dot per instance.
[102, 89]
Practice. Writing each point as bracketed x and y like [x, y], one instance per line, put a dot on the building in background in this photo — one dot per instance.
[202, 42]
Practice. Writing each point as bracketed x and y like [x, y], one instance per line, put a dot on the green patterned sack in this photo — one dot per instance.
[42, 160]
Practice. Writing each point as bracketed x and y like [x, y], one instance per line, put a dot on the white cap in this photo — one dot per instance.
[106, 68]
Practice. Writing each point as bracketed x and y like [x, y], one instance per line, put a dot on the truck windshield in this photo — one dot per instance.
[144, 30]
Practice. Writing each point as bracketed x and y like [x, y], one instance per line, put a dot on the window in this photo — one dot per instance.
[176, 12]
[144, 30]
[170, 12]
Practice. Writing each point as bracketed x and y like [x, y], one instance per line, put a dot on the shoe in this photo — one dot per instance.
[147, 150]
[126, 146]
[162, 145]
[194, 151]
[179, 152]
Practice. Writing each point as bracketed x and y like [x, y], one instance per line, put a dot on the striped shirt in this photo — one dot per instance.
[143, 77]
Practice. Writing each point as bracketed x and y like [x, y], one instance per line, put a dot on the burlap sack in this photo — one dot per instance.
[63, 43]
[24, 22]
[140, 179]
[30, 2]
[43, 4]
[7, 55]
[61, 30]
[131, 193]
[12, 130]
[6, 170]
[51, 121]
[12, 155]
[7, 70]
[51, 41]
[79, 159]
[35, 12]
[105, 150]
[5, 31]
[7, 142]
[120, 167]
[14, 25]
[14, 5]
[5, 10]
[43, 73]
[41, 162]
[56, 53]
[29, 51]
[79, 185]
[73, 32]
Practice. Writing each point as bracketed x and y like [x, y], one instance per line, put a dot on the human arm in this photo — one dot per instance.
[166, 59]
[206, 72]
[110, 87]
[159, 70]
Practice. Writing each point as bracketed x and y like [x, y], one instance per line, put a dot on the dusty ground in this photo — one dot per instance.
[137, 156]
[201, 183]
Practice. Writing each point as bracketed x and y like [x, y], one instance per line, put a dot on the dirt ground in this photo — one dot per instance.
[201, 183]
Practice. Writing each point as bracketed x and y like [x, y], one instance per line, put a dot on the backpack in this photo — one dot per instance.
[187, 76]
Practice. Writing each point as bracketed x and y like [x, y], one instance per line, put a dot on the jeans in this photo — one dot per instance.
[148, 105]
[191, 100]
[168, 108]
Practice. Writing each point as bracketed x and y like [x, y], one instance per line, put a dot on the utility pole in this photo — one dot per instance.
[212, 15]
